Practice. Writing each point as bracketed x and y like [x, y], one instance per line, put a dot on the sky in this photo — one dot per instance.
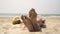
[23, 6]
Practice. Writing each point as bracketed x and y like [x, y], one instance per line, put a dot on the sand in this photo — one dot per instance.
[6, 27]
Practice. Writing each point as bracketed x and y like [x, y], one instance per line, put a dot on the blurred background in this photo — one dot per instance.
[46, 9]
[18, 7]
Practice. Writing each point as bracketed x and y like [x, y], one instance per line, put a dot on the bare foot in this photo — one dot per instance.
[27, 23]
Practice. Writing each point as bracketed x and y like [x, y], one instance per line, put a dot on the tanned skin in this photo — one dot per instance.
[33, 17]
[27, 23]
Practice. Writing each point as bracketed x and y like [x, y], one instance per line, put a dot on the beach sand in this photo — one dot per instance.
[6, 27]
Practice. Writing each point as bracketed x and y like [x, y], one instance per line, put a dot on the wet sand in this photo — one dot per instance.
[6, 26]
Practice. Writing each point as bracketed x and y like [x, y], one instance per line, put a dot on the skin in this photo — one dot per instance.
[27, 23]
[33, 17]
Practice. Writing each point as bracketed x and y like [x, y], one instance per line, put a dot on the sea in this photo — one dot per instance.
[19, 14]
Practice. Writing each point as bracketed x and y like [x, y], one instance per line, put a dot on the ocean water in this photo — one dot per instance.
[40, 15]
[49, 15]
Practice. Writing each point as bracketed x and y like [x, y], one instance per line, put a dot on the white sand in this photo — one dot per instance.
[6, 27]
